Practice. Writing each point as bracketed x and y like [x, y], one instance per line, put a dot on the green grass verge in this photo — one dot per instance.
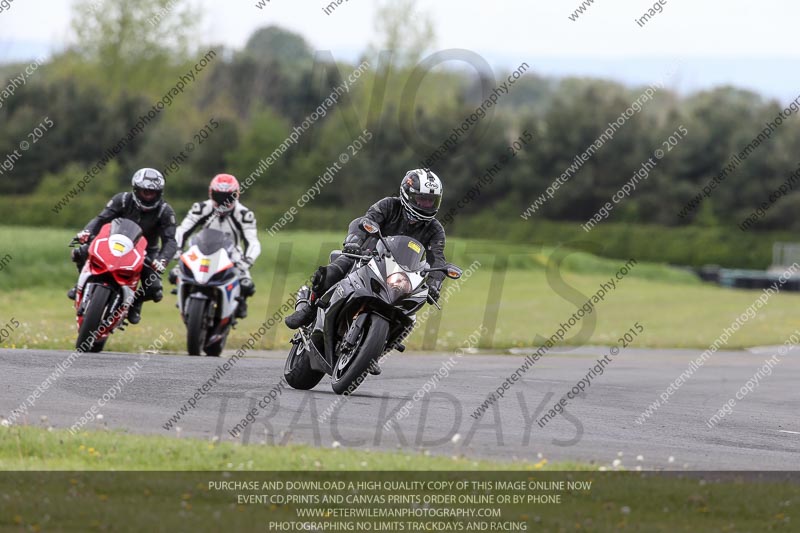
[35, 448]
[675, 308]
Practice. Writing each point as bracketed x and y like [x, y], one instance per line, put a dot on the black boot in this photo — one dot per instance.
[241, 309]
[72, 293]
[302, 317]
[135, 311]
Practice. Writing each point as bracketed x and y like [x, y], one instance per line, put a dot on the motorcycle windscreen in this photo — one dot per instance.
[120, 245]
[407, 252]
[209, 240]
[127, 228]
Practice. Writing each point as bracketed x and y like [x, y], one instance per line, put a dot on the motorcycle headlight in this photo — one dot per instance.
[399, 283]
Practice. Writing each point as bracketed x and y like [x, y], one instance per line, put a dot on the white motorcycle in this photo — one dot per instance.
[208, 291]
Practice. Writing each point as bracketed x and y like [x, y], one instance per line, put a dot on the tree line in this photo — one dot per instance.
[249, 101]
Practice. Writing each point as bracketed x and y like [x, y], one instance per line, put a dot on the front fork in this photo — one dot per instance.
[351, 337]
[86, 297]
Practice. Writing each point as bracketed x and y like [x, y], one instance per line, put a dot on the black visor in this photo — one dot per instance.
[147, 197]
[427, 203]
[223, 199]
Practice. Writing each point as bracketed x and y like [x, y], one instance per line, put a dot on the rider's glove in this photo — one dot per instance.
[83, 237]
[160, 266]
[433, 292]
[352, 248]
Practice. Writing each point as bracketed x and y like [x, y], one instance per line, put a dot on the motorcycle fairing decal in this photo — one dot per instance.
[96, 252]
[229, 289]
[110, 242]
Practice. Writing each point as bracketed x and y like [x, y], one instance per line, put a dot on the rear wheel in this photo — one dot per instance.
[351, 368]
[298, 371]
[92, 325]
[195, 325]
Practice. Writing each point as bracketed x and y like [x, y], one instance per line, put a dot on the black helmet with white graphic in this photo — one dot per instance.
[421, 194]
[148, 188]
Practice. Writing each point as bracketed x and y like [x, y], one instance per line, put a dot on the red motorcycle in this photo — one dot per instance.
[107, 284]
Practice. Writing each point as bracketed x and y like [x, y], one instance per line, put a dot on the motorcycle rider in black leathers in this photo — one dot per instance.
[145, 205]
[411, 214]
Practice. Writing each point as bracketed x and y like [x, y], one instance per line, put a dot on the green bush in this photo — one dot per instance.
[689, 245]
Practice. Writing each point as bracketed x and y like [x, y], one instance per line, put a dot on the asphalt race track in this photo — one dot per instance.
[762, 431]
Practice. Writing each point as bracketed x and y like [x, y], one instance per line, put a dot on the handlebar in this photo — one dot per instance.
[75, 242]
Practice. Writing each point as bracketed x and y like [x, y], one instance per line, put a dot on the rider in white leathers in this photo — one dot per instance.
[222, 211]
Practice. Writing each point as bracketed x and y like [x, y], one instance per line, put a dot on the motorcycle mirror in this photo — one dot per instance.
[369, 226]
[453, 272]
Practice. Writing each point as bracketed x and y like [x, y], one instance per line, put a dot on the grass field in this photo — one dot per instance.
[36, 448]
[675, 308]
[156, 489]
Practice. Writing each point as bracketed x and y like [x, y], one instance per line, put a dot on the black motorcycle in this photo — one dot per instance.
[363, 316]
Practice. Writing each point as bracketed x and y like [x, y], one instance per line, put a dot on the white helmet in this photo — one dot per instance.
[421, 194]
[148, 188]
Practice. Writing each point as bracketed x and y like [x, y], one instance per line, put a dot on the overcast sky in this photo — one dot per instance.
[741, 42]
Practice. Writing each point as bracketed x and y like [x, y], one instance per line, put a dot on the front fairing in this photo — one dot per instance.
[212, 269]
[365, 289]
[118, 249]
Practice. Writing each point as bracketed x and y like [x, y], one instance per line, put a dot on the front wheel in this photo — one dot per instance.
[92, 325]
[215, 350]
[195, 325]
[298, 371]
[351, 368]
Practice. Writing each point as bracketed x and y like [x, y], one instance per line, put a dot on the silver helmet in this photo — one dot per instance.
[421, 194]
[148, 188]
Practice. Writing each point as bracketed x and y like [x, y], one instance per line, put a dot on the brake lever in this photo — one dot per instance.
[434, 302]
